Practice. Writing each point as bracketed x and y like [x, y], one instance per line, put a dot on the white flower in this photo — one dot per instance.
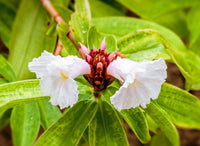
[57, 74]
[141, 81]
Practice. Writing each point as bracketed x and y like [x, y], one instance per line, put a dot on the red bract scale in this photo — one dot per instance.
[99, 61]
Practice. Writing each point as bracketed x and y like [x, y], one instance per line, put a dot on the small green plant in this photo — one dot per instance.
[101, 70]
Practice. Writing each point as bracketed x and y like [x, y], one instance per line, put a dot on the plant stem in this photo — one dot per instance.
[57, 18]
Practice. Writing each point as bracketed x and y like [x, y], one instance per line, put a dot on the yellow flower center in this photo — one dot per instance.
[64, 75]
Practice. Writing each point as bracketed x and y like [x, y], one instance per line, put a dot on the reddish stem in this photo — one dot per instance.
[57, 18]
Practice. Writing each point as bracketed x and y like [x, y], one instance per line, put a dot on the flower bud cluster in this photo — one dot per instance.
[99, 61]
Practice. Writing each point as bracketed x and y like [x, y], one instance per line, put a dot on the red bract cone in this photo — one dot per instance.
[98, 61]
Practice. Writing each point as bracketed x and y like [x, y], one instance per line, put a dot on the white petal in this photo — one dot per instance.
[119, 68]
[39, 65]
[72, 65]
[57, 74]
[63, 92]
[78, 67]
[142, 83]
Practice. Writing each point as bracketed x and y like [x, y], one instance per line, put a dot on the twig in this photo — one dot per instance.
[57, 18]
[52, 11]
[58, 49]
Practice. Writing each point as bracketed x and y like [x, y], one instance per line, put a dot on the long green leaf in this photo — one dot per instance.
[101, 9]
[13, 4]
[6, 20]
[28, 39]
[121, 26]
[182, 107]
[81, 21]
[2, 81]
[151, 124]
[106, 128]
[68, 47]
[70, 127]
[49, 114]
[193, 23]
[23, 134]
[154, 8]
[146, 44]
[175, 21]
[18, 93]
[161, 119]
[194, 61]
[5, 118]
[172, 16]
[149, 44]
[95, 38]
[135, 118]
[6, 70]
[158, 139]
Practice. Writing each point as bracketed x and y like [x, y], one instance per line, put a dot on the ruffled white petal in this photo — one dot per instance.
[78, 66]
[57, 76]
[119, 68]
[39, 65]
[142, 82]
[65, 93]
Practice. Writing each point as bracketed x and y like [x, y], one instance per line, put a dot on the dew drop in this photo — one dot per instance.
[83, 31]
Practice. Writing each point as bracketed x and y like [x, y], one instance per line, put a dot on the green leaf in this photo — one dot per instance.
[194, 62]
[18, 93]
[183, 66]
[51, 29]
[81, 21]
[6, 70]
[187, 62]
[5, 118]
[28, 39]
[107, 128]
[107, 93]
[21, 119]
[64, 3]
[121, 26]
[85, 91]
[158, 139]
[174, 20]
[161, 119]
[154, 8]
[2, 81]
[172, 16]
[149, 44]
[95, 38]
[135, 118]
[64, 12]
[193, 23]
[70, 127]
[182, 107]
[13, 4]
[151, 124]
[146, 44]
[48, 113]
[111, 43]
[6, 20]
[101, 9]
[68, 47]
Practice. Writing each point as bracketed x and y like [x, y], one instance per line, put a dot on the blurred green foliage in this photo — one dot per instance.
[140, 29]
